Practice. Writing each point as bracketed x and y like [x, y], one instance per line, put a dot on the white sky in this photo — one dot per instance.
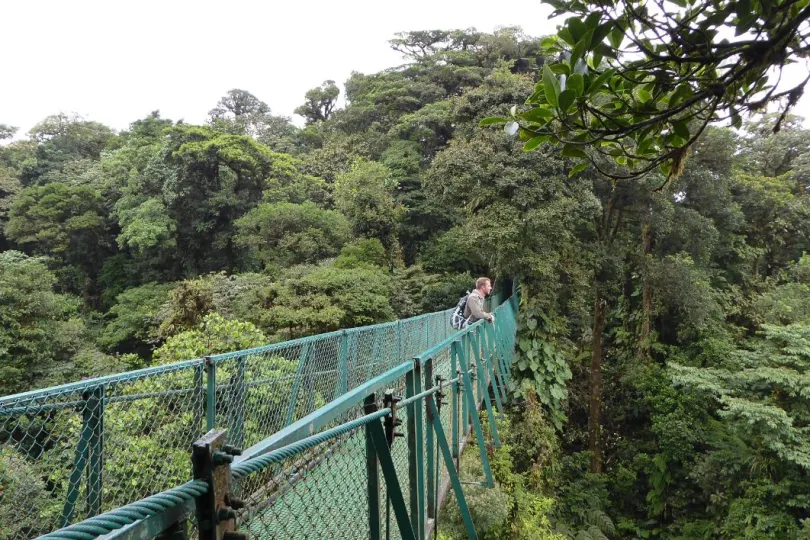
[114, 62]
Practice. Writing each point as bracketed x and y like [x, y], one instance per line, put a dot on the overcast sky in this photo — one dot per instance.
[114, 62]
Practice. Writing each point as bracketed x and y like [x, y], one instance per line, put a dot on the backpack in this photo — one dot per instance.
[457, 319]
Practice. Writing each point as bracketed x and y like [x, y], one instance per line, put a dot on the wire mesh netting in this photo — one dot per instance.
[74, 451]
[319, 493]
[325, 491]
[88, 448]
[78, 450]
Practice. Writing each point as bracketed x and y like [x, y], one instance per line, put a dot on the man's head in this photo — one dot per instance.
[484, 285]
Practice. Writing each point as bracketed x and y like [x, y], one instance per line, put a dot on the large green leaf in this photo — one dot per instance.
[576, 83]
[534, 142]
[492, 120]
[551, 86]
[573, 151]
[538, 114]
[566, 99]
[681, 129]
[581, 47]
[599, 81]
[578, 169]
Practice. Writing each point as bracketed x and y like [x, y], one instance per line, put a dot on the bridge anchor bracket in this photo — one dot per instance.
[211, 460]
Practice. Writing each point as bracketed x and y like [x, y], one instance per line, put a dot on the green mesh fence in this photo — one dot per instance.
[324, 491]
[77, 450]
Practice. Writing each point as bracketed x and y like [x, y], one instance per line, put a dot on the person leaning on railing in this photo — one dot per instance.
[474, 310]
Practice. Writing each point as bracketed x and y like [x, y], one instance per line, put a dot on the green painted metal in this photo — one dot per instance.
[324, 416]
[389, 471]
[310, 393]
[343, 365]
[136, 512]
[464, 510]
[484, 371]
[299, 374]
[496, 361]
[481, 382]
[430, 481]
[419, 486]
[463, 360]
[454, 395]
[448, 341]
[427, 334]
[76, 474]
[348, 366]
[237, 405]
[375, 354]
[89, 384]
[412, 411]
[95, 449]
[372, 475]
[484, 375]
[199, 394]
[493, 366]
[496, 346]
[210, 394]
[109, 380]
[149, 528]
[479, 434]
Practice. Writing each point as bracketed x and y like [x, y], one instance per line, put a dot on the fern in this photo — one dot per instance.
[596, 533]
[598, 518]
[591, 533]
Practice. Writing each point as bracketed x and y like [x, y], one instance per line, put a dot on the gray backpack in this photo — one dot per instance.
[457, 319]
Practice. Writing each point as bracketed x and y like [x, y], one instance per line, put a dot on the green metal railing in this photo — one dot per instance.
[118, 445]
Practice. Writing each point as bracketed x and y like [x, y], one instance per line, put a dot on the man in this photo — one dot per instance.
[474, 310]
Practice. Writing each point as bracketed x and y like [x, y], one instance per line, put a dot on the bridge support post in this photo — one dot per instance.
[493, 362]
[372, 474]
[429, 443]
[210, 393]
[415, 473]
[455, 391]
[95, 465]
[382, 440]
[476, 422]
[485, 377]
[451, 469]
[463, 355]
[216, 509]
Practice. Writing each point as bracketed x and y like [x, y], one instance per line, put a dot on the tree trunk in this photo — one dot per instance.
[646, 292]
[595, 404]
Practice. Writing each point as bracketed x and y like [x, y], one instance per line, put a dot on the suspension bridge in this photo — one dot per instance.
[352, 434]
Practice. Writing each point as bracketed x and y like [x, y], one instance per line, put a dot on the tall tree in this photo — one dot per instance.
[241, 113]
[283, 234]
[68, 222]
[191, 193]
[365, 196]
[320, 102]
[7, 131]
[62, 139]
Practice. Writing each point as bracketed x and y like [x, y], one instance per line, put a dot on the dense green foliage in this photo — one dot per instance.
[661, 378]
[638, 82]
